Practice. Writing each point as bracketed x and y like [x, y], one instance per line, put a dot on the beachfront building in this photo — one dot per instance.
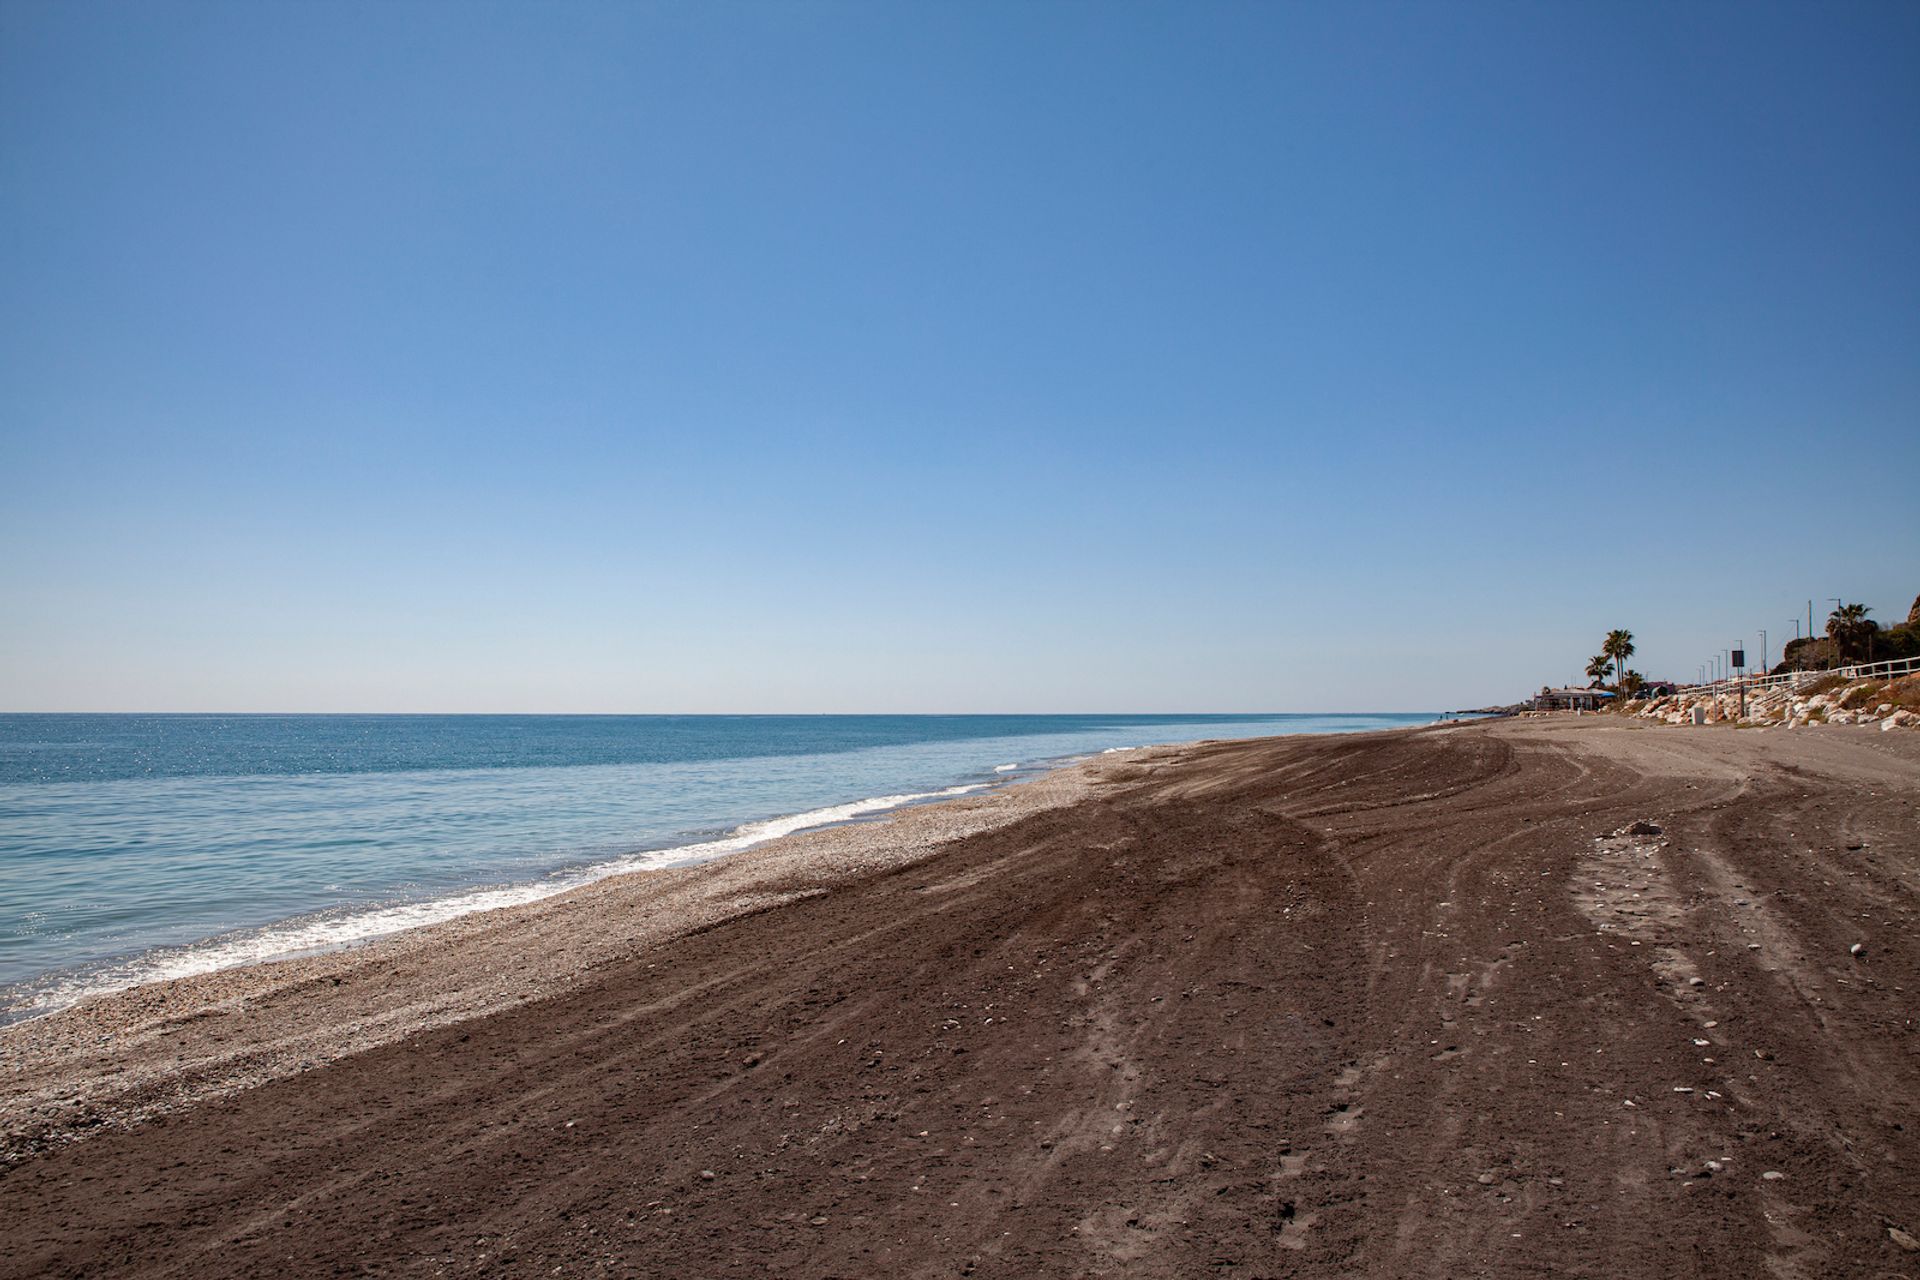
[1571, 699]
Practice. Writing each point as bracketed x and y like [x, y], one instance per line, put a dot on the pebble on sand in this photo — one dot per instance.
[1857, 949]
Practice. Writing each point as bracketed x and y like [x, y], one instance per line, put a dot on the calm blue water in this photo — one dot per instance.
[140, 847]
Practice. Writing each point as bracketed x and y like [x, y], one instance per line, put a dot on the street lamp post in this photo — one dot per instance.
[1739, 660]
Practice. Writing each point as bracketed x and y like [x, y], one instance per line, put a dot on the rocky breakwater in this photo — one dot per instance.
[1888, 704]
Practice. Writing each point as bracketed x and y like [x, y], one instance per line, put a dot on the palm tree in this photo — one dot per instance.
[1598, 670]
[1847, 626]
[1619, 647]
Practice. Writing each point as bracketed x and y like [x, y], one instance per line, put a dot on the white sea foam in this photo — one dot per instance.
[310, 934]
[1006, 768]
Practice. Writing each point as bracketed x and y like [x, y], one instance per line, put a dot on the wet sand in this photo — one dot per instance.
[1417, 1003]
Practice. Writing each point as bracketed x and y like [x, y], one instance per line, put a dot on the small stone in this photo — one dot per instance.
[1903, 1239]
[1696, 982]
[1857, 950]
[1486, 1179]
[818, 1222]
[1773, 1175]
[706, 1175]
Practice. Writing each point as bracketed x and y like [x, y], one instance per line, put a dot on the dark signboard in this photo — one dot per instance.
[1739, 657]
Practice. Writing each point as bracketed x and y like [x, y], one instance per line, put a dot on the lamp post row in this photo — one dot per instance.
[1717, 667]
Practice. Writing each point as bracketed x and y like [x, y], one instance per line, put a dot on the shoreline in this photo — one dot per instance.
[201, 956]
[123, 1055]
[317, 918]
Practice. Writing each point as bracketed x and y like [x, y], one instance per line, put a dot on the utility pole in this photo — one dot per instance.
[1763, 651]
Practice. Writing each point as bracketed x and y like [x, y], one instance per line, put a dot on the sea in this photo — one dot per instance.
[135, 848]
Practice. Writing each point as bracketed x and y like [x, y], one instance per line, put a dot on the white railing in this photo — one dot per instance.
[1794, 679]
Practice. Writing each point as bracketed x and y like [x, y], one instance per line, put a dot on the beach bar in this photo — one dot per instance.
[1570, 699]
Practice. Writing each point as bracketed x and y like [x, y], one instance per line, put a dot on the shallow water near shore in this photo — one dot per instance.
[135, 848]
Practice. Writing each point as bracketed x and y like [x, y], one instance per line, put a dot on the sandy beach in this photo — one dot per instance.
[1417, 1003]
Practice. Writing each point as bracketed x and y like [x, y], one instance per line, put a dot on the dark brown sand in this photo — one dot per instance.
[1393, 1005]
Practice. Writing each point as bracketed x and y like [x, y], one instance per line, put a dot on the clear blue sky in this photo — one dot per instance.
[734, 357]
